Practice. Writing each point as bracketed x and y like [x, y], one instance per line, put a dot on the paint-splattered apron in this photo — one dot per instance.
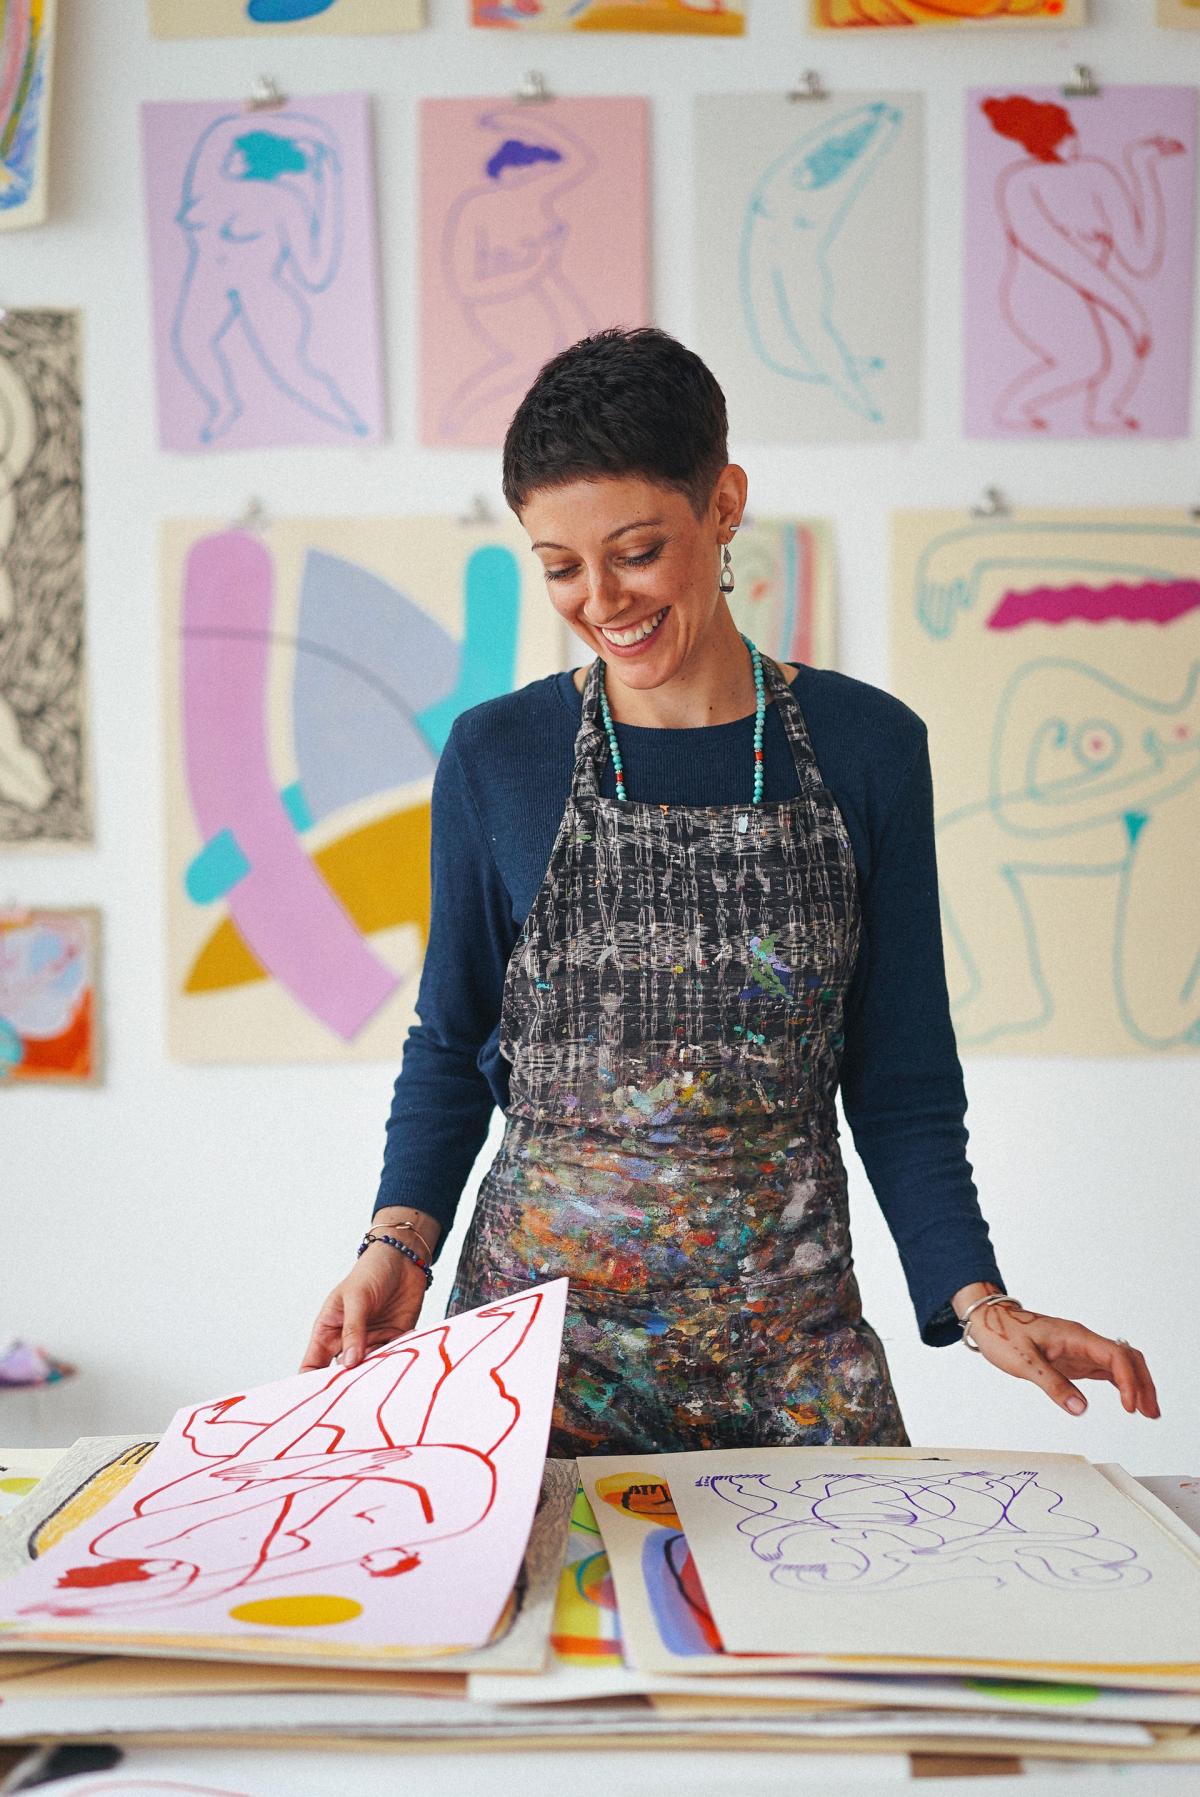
[673, 1015]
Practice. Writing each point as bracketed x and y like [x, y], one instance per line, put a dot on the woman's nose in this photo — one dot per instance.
[605, 600]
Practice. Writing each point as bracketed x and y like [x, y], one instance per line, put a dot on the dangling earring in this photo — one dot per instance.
[726, 582]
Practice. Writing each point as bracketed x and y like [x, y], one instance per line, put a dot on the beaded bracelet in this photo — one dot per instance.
[403, 1248]
[413, 1230]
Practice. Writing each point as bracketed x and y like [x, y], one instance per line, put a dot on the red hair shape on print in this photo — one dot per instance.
[1039, 126]
[112, 1572]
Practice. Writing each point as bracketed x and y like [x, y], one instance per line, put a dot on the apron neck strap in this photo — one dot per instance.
[591, 743]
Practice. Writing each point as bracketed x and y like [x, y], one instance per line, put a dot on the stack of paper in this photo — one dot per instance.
[384, 1555]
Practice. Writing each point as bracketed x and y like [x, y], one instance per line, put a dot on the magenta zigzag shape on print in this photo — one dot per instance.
[1149, 602]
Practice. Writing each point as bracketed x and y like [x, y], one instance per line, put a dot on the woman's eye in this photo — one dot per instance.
[648, 555]
[559, 573]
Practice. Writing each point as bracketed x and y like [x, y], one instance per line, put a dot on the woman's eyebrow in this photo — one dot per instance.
[638, 524]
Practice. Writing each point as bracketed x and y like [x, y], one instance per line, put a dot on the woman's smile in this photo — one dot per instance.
[631, 639]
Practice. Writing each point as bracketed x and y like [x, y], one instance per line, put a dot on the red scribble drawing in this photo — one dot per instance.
[1083, 233]
[367, 1471]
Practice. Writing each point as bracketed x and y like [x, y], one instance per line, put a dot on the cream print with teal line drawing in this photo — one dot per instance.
[809, 264]
[1056, 660]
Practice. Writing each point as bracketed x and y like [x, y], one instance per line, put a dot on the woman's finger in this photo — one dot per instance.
[1034, 1366]
[1147, 1396]
[1123, 1374]
[355, 1317]
[325, 1340]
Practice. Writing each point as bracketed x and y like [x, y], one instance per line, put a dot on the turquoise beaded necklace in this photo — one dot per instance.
[760, 714]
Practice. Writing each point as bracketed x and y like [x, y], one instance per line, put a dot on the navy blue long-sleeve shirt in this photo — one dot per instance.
[499, 793]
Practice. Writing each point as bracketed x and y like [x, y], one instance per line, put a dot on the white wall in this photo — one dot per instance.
[173, 1231]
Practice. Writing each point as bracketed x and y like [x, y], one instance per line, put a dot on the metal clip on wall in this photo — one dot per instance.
[266, 95]
[533, 87]
[1084, 86]
[809, 87]
[992, 505]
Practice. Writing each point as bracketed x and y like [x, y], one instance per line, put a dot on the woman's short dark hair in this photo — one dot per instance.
[620, 402]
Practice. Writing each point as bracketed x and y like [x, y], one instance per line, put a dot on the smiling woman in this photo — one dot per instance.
[679, 899]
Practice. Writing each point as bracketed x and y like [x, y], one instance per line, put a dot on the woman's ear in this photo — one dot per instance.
[729, 494]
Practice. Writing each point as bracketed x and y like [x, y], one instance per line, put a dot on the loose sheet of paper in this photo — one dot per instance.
[27, 29]
[1055, 656]
[808, 273]
[49, 1003]
[875, 15]
[831, 1551]
[266, 19]
[312, 670]
[709, 18]
[534, 233]
[386, 1505]
[44, 784]
[1079, 220]
[262, 241]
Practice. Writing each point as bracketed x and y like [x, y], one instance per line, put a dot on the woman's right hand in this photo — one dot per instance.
[379, 1299]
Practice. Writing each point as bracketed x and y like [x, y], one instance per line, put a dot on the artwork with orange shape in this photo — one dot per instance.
[709, 18]
[873, 15]
[375, 1511]
[48, 997]
[586, 1630]
[314, 668]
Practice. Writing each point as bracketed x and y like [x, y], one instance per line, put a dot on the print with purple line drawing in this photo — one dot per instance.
[263, 264]
[860, 1531]
[534, 234]
[314, 671]
[1069, 824]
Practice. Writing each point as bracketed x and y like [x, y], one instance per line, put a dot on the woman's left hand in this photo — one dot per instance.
[1053, 1352]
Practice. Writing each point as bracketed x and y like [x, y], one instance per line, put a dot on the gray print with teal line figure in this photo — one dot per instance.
[262, 215]
[792, 222]
[1089, 780]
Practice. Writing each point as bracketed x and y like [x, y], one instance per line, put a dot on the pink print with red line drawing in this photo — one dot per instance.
[1078, 254]
[390, 1502]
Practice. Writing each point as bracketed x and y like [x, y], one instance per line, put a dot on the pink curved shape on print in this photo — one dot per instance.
[1150, 602]
[285, 912]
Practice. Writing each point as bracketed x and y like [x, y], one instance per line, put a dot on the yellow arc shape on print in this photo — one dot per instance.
[88, 1499]
[649, 1499]
[380, 873]
[316, 1610]
[17, 1487]
[663, 17]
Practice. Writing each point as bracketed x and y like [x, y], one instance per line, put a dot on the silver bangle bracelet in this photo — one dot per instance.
[981, 1304]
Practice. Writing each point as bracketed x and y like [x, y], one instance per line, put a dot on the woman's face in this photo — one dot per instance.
[632, 569]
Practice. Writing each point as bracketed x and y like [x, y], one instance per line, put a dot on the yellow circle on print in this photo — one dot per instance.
[316, 1611]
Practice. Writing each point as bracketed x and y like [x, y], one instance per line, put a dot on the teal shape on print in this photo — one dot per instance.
[285, 12]
[216, 869]
[489, 653]
[296, 806]
[12, 1049]
[1135, 822]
